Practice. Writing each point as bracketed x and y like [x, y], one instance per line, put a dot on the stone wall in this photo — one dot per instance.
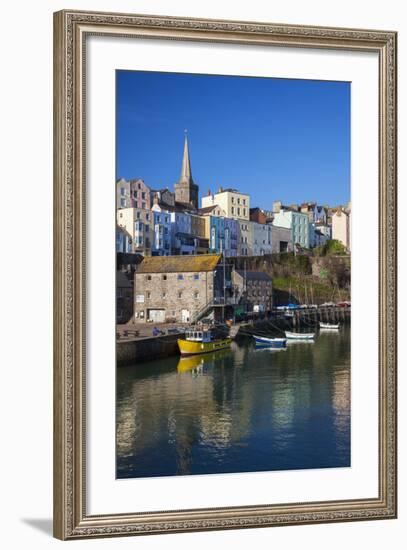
[129, 353]
[172, 293]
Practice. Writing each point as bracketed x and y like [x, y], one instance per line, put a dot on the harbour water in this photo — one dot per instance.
[237, 410]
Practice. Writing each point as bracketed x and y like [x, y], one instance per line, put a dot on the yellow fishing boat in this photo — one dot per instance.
[201, 341]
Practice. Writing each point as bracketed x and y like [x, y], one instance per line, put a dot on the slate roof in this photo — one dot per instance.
[122, 281]
[207, 209]
[254, 275]
[179, 264]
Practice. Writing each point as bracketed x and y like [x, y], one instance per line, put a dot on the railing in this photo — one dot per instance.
[201, 311]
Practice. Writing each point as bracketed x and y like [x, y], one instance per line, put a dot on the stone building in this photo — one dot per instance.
[163, 198]
[181, 289]
[253, 290]
[124, 298]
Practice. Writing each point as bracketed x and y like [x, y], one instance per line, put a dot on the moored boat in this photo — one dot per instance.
[300, 335]
[329, 326]
[276, 343]
[200, 340]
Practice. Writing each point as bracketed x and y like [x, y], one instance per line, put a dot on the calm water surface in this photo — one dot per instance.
[237, 410]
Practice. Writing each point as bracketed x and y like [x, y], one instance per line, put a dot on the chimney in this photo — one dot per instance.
[220, 190]
[276, 207]
[209, 193]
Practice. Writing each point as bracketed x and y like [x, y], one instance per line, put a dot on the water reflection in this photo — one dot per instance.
[237, 410]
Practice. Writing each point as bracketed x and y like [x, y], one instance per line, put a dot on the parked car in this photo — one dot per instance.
[328, 304]
[343, 304]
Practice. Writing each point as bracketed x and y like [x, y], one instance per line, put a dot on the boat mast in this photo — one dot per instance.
[224, 279]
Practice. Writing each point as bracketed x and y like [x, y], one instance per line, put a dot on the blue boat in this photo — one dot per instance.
[276, 343]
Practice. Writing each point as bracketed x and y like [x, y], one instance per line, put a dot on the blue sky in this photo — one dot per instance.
[277, 139]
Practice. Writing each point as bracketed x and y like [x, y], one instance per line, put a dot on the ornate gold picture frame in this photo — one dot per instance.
[71, 30]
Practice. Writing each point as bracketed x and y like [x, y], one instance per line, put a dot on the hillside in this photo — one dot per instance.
[301, 278]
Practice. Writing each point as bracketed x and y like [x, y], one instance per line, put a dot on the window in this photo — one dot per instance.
[163, 295]
[143, 196]
[148, 294]
[233, 202]
[148, 277]
[143, 205]
[238, 200]
[138, 215]
[238, 211]
[244, 201]
[244, 211]
[164, 277]
[180, 277]
[147, 217]
[122, 202]
[233, 209]
[196, 276]
[122, 192]
[196, 295]
[139, 186]
[179, 294]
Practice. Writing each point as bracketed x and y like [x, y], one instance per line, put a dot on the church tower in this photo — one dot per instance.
[186, 191]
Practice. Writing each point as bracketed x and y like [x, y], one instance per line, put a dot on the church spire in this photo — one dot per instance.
[186, 191]
[186, 173]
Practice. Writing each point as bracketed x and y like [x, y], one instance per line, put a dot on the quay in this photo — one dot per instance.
[136, 344]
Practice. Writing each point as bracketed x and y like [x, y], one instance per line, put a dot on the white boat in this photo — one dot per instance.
[328, 326]
[276, 343]
[300, 335]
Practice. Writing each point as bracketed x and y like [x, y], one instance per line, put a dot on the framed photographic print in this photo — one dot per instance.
[225, 274]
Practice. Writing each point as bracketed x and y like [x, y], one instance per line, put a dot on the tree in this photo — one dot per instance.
[332, 247]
